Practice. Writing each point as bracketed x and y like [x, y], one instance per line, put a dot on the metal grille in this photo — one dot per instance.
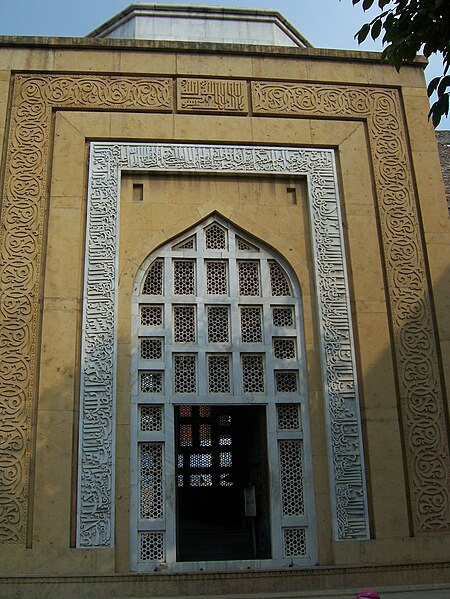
[218, 324]
[185, 373]
[184, 324]
[153, 284]
[283, 317]
[151, 497]
[151, 349]
[152, 382]
[295, 542]
[215, 238]
[251, 325]
[288, 417]
[248, 272]
[216, 278]
[219, 374]
[184, 277]
[286, 381]
[291, 475]
[252, 374]
[150, 418]
[283, 348]
[151, 546]
[151, 316]
[278, 279]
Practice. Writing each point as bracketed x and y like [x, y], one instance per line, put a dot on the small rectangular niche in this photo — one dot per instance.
[138, 192]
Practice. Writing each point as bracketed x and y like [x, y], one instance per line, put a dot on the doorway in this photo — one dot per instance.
[223, 510]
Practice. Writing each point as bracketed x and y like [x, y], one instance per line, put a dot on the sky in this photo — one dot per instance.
[325, 23]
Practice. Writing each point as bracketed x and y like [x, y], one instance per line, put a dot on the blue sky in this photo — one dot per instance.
[325, 23]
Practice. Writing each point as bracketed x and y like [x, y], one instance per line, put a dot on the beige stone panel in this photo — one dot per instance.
[53, 561]
[97, 61]
[141, 126]
[58, 382]
[268, 67]
[5, 81]
[347, 553]
[209, 65]
[323, 70]
[123, 513]
[375, 359]
[387, 76]
[52, 489]
[327, 132]
[386, 475]
[147, 63]
[421, 132]
[354, 165]
[431, 192]
[65, 252]
[27, 59]
[69, 158]
[212, 128]
[389, 551]
[90, 125]
[268, 131]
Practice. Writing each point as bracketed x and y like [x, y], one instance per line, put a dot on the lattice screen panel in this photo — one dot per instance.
[151, 545]
[151, 481]
[225, 325]
[295, 542]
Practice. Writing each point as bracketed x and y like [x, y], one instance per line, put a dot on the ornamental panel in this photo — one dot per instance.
[212, 95]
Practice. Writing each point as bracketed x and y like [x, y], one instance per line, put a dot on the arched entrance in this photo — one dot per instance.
[221, 464]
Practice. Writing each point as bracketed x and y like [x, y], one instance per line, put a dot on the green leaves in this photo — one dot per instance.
[410, 26]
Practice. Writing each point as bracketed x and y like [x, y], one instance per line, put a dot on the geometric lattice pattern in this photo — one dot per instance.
[218, 324]
[278, 280]
[150, 418]
[248, 277]
[216, 278]
[291, 474]
[215, 237]
[151, 546]
[288, 417]
[219, 374]
[151, 316]
[152, 382]
[283, 317]
[185, 367]
[252, 373]
[151, 349]
[285, 381]
[153, 284]
[295, 542]
[184, 277]
[284, 348]
[251, 324]
[184, 324]
[151, 499]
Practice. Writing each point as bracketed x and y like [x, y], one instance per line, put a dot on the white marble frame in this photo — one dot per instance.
[95, 512]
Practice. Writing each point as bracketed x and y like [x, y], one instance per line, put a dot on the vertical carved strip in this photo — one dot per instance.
[415, 342]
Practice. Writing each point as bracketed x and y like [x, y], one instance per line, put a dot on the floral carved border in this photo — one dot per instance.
[414, 337]
[22, 220]
[24, 209]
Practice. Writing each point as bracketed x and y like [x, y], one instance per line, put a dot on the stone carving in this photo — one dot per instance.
[414, 337]
[23, 214]
[344, 430]
[212, 95]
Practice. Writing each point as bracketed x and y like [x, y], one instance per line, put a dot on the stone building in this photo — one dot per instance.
[225, 293]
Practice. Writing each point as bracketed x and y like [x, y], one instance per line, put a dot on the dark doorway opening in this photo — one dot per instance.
[223, 510]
